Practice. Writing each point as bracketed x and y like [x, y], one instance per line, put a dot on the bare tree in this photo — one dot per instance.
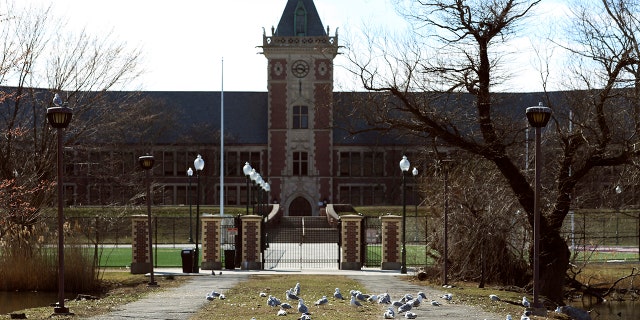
[41, 57]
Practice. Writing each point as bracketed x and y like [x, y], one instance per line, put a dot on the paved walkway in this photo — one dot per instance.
[182, 302]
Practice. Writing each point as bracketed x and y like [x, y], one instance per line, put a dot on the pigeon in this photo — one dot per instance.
[447, 296]
[305, 316]
[302, 308]
[410, 315]
[384, 298]
[222, 296]
[416, 302]
[525, 302]
[212, 295]
[524, 317]
[322, 301]
[263, 294]
[57, 101]
[509, 317]
[405, 307]
[273, 301]
[372, 298]
[354, 302]
[338, 295]
[389, 314]
[281, 312]
[493, 297]
[397, 303]
[360, 296]
[421, 294]
[435, 303]
[406, 298]
[290, 295]
[285, 306]
[296, 289]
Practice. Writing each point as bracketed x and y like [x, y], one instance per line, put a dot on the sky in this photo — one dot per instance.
[184, 43]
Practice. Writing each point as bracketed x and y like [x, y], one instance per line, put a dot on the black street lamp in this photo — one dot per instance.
[189, 175]
[266, 187]
[404, 167]
[146, 162]
[414, 172]
[254, 177]
[198, 163]
[445, 263]
[538, 117]
[59, 118]
[247, 172]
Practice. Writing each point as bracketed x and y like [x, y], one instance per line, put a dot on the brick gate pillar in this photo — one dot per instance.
[211, 242]
[391, 242]
[141, 258]
[251, 242]
[351, 235]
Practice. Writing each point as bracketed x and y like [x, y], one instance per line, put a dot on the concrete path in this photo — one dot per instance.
[396, 287]
[182, 302]
[177, 303]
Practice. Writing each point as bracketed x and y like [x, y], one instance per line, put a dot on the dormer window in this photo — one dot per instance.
[300, 20]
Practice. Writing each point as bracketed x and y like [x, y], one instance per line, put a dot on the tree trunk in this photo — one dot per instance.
[554, 261]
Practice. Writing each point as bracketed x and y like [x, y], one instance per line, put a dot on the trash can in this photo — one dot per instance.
[188, 255]
[229, 259]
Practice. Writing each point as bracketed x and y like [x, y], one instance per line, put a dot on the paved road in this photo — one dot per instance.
[182, 302]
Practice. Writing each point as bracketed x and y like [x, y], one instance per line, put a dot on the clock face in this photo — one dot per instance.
[300, 68]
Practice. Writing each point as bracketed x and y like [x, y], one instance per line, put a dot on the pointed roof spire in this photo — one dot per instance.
[300, 18]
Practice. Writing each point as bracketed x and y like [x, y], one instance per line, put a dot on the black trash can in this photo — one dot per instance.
[229, 259]
[188, 255]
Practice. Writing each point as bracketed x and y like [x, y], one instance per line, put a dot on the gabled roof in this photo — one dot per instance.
[287, 24]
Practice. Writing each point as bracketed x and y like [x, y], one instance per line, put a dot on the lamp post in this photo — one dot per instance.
[538, 117]
[404, 167]
[267, 188]
[414, 172]
[445, 263]
[259, 183]
[198, 163]
[247, 171]
[189, 175]
[59, 118]
[254, 175]
[146, 162]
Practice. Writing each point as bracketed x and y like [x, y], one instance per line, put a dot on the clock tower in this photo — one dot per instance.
[300, 55]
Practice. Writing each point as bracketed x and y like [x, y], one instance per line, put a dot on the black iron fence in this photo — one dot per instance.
[593, 236]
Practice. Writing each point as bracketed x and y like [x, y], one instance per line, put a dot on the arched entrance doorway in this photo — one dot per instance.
[300, 207]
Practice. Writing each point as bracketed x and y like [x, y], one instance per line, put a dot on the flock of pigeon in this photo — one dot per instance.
[402, 306]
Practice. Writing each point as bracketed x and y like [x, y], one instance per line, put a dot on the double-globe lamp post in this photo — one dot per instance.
[404, 167]
[538, 117]
[198, 164]
[146, 162]
[59, 118]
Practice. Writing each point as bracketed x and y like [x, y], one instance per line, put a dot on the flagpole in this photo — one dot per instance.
[222, 140]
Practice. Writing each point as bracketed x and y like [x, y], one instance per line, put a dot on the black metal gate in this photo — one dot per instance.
[372, 242]
[301, 243]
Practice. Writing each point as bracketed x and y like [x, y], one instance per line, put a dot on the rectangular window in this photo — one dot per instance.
[300, 117]
[300, 164]
[168, 163]
[344, 164]
[356, 165]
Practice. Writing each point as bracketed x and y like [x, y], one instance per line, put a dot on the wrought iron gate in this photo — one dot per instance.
[301, 243]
